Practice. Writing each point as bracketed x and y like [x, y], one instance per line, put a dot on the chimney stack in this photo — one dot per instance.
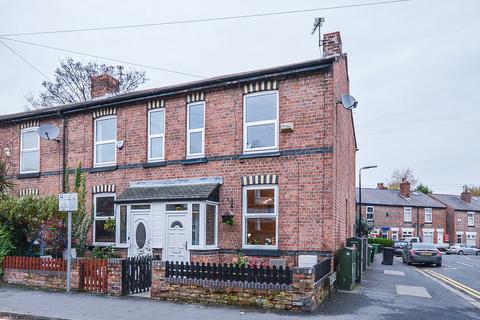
[405, 188]
[332, 44]
[381, 186]
[466, 196]
[103, 84]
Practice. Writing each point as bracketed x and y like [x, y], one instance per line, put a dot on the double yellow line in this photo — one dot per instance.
[460, 286]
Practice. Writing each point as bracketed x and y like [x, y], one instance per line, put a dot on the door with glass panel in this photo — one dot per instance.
[140, 233]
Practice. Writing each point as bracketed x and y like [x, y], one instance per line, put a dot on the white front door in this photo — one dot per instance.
[472, 239]
[177, 238]
[439, 236]
[427, 236]
[140, 235]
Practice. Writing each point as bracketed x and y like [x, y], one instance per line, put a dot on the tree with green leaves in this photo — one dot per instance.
[423, 188]
[6, 183]
[474, 190]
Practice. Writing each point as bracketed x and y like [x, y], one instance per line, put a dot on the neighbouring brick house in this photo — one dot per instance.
[272, 147]
[397, 214]
[463, 217]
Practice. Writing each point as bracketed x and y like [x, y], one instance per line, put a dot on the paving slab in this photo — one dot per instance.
[394, 273]
[412, 291]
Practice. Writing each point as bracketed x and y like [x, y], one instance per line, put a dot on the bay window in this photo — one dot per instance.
[260, 125]
[156, 135]
[260, 211]
[103, 210]
[30, 151]
[195, 129]
[204, 229]
[105, 145]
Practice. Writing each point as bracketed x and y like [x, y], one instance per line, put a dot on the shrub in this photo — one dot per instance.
[6, 245]
[104, 252]
[381, 241]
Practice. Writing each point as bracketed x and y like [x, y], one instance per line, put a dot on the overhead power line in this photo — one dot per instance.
[25, 60]
[104, 58]
[166, 23]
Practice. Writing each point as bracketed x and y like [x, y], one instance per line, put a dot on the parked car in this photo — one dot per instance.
[425, 253]
[398, 247]
[412, 239]
[461, 248]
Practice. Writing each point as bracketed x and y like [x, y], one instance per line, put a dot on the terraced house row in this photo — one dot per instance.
[435, 218]
[270, 152]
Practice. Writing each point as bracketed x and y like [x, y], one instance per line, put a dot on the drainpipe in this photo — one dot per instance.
[64, 149]
[418, 223]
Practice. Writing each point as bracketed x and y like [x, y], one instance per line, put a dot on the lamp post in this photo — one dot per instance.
[359, 227]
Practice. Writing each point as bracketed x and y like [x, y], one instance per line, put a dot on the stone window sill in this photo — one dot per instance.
[259, 155]
[194, 161]
[28, 175]
[103, 169]
[154, 164]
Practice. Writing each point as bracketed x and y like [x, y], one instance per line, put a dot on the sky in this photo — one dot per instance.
[413, 66]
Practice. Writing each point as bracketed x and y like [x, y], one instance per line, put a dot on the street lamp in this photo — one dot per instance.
[359, 227]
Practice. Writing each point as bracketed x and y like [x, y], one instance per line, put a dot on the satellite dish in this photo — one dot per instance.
[48, 131]
[348, 101]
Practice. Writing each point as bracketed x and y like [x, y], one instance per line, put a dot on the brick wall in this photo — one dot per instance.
[395, 219]
[461, 225]
[303, 295]
[316, 169]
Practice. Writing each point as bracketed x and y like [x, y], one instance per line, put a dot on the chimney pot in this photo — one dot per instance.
[466, 196]
[102, 85]
[405, 188]
[332, 44]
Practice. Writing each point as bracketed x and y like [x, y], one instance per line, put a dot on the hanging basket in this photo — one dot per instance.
[227, 218]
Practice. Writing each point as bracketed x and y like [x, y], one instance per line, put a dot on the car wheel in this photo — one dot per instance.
[409, 263]
[478, 253]
[438, 265]
[460, 252]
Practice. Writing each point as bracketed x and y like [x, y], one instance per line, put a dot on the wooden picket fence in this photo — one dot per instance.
[93, 275]
[34, 263]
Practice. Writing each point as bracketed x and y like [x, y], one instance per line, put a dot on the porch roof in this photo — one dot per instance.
[135, 194]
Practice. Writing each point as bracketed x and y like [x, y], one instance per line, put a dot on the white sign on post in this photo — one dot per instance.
[68, 201]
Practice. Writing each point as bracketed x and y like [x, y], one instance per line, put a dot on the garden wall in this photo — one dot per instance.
[303, 294]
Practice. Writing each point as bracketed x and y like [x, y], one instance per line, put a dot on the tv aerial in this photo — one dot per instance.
[317, 25]
[48, 132]
[348, 101]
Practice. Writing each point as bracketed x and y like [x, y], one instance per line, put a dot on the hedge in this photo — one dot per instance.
[381, 241]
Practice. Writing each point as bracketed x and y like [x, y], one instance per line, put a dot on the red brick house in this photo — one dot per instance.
[397, 214]
[271, 147]
[463, 217]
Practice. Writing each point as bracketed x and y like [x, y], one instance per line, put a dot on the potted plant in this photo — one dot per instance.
[227, 217]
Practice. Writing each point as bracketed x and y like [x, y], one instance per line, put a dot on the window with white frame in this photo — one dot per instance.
[260, 213]
[395, 235]
[156, 135]
[204, 229]
[407, 214]
[459, 237]
[122, 226]
[370, 212]
[103, 211]
[471, 219]
[406, 234]
[105, 152]
[260, 129]
[428, 215]
[30, 151]
[196, 129]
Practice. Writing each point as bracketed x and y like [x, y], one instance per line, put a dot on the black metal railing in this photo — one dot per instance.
[229, 272]
[323, 268]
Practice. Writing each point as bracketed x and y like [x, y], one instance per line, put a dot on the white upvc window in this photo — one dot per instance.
[122, 227]
[196, 129]
[105, 141]
[471, 219]
[156, 135]
[407, 214]
[260, 217]
[30, 151]
[103, 210]
[428, 215]
[260, 121]
[370, 212]
[204, 228]
[406, 233]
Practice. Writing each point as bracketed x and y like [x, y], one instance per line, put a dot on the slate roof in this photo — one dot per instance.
[208, 191]
[457, 203]
[394, 198]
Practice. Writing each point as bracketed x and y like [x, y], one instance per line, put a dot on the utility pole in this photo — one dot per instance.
[317, 25]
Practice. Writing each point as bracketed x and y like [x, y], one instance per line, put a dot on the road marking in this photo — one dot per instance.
[466, 264]
[394, 273]
[460, 286]
[412, 291]
[462, 295]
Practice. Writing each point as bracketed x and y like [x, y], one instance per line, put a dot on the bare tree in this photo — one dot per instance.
[398, 175]
[72, 83]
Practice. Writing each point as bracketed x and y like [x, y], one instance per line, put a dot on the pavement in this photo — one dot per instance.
[387, 292]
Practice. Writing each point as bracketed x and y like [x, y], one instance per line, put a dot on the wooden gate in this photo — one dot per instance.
[136, 274]
[93, 275]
